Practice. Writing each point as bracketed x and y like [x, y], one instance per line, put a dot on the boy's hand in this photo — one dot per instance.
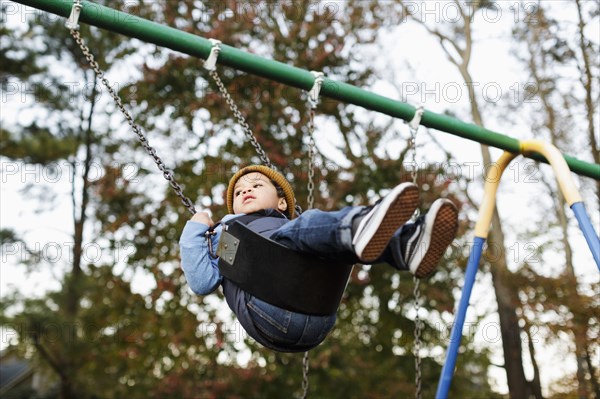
[203, 217]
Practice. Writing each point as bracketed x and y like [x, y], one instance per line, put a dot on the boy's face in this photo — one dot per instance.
[254, 192]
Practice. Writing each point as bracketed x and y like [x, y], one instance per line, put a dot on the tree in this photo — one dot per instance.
[166, 342]
[456, 41]
[315, 41]
[546, 52]
[87, 347]
[589, 73]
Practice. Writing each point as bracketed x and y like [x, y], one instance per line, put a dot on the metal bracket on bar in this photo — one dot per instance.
[211, 62]
[416, 120]
[73, 21]
[313, 94]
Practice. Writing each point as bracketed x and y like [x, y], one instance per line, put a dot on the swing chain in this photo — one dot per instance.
[167, 174]
[311, 160]
[305, 376]
[417, 346]
[210, 66]
[313, 102]
[241, 120]
[414, 128]
[412, 145]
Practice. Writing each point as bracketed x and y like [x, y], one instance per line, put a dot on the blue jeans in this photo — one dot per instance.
[329, 235]
[285, 330]
[326, 234]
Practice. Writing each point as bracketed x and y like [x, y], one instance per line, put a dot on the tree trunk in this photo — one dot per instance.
[581, 344]
[587, 80]
[579, 330]
[73, 281]
[592, 371]
[506, 297]
[66, 389]
[536, 386]
[79, 222]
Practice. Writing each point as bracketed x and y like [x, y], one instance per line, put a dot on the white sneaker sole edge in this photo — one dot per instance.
[372, 221]
[423, 246]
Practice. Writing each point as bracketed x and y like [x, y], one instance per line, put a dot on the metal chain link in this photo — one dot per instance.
[241, 120]
[311, 159]
[414, 128]
[310, 201]
[168, 174]
[412, 145]
[313, 101]
[417, 346]
[305, 376]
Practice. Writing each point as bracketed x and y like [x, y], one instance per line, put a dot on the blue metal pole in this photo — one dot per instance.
[588, 231]
[457, 328]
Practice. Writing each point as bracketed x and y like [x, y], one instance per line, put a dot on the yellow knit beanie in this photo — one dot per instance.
[271, 174]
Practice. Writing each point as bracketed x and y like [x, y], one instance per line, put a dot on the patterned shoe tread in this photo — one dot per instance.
[397, 214]
[444, 231]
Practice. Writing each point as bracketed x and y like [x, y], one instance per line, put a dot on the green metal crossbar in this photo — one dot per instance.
[196, 46]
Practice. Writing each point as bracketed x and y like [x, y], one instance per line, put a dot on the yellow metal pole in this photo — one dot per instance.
[560, 167]
[492, 180]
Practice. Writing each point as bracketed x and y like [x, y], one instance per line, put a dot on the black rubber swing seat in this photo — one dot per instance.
[281, 276]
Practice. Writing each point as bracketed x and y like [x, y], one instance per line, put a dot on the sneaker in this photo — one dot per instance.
[375, 225]
[424, 242]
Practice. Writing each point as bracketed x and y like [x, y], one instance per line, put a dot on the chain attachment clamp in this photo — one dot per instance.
[73, 20]
[416, 120]
[211, 62]
[313, 94]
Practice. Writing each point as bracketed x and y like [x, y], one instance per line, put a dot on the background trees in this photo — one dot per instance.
[128, 325]
[546, 52]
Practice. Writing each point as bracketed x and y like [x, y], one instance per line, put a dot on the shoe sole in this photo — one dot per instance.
[389, 220]
[443, 232]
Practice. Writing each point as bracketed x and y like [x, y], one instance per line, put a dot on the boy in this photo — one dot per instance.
[360, 234]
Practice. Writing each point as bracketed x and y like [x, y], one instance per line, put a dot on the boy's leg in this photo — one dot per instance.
[353, 234]
[419, 247]
[320, 233]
